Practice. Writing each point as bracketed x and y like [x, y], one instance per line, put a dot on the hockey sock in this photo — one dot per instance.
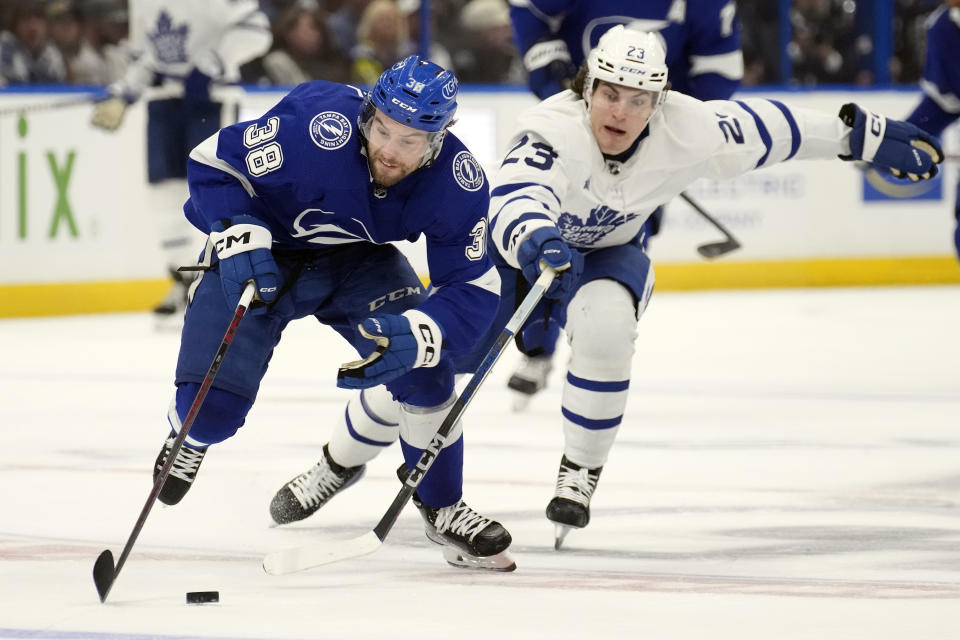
[601, 325]
[443, 483]
[221, 414]
[369, 425]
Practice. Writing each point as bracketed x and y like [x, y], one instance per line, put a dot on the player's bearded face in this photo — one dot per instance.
[394, 150]
[618, 115]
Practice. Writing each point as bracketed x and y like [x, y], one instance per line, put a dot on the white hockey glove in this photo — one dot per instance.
[108, 114]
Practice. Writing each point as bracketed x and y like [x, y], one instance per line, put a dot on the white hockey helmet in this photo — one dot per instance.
[628, 57]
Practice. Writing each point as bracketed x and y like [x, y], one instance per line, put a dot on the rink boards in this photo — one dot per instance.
[77, 221]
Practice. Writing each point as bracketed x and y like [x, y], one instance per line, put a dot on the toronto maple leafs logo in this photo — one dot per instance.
[599, 223]
[169, 41]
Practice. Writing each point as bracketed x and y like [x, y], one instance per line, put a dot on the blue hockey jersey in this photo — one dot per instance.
[702, 38]
[301, 169]
[941, 73]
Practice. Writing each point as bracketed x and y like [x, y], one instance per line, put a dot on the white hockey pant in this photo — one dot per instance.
[601, 329]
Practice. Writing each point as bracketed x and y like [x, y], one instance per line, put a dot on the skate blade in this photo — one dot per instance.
[498, 562]
[560, 532]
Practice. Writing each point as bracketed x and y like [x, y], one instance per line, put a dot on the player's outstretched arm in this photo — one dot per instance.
[899, 147]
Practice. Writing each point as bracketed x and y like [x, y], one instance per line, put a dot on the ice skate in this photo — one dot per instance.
[469, 540]
[529, 378]
[305, 494]
[168, 315]
[183, 472]
[570, 507]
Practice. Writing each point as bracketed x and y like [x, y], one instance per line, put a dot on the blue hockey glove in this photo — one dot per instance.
[196, 86]
[243, 247]
[550, 68]
[900, 147]
[545, 244]
[403, 343]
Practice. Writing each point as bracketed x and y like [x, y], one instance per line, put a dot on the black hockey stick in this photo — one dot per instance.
[712, 249]
[300, 558]
[104, 571]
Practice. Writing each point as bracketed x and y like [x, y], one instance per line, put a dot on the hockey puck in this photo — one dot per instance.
[203, 597]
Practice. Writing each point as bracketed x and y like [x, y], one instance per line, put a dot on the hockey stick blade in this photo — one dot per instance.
[712, 249]
[280, 563]
[104, 574]
[316, 554]
[717, 249]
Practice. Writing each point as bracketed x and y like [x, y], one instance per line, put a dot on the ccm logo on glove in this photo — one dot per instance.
[428, 337]
[240, 238]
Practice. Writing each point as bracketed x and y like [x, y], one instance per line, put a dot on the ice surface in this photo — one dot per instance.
[788, 468]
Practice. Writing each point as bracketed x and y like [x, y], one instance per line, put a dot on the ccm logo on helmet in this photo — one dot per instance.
[403, 105]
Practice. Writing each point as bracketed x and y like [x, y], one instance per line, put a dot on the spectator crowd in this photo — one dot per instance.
[83, 41]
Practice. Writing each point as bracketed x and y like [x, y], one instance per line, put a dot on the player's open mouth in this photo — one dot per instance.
[614, 130]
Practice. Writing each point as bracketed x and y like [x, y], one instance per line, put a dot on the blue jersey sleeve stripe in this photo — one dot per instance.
[794, 129]
[595, 385]
[590, 423]
[762, 130]
[520, 219]
[506, 189]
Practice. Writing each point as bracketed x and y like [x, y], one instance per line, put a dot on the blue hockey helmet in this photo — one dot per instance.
[417, 93]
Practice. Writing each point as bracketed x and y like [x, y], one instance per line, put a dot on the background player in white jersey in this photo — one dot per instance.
[306, 201]
[940, 106]
[702, 43]
[586, 169]
[185, 49]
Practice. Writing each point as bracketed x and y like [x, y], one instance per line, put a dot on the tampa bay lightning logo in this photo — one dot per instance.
[169, 41]
[600, 222]
[467, 171]
[330, 130]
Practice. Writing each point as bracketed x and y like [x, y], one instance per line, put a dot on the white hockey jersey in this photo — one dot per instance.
[555, 174]
[172, 37]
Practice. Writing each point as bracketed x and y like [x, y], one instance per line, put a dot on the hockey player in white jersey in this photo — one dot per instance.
[584, 171]
[187, 53]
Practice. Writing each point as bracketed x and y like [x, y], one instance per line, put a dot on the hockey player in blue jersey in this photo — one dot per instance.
[702, 42]
[305, 201]
[701, 38]
[940, 105]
